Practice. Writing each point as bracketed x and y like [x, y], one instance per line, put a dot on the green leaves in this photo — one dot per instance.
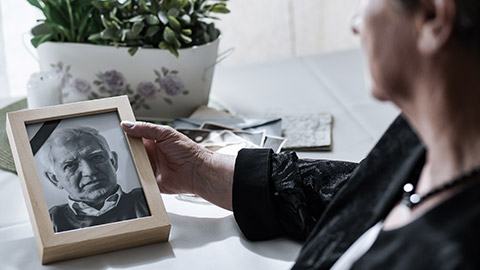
[170, 37]
[186, 39]
[132, 50]
[137, 28]
[173, 12]
[163, 17]
[218, 8]
[166, 46]
[66, 21]
[108, 33]
[35, 3]
[37, 40]
[174, 23]
[152, 30]
[152, 19]
[178, 4]
[165, 24]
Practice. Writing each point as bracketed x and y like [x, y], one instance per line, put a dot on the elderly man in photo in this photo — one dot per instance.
[79, 161]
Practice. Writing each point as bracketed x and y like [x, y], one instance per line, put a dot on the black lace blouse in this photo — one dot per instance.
[329, 204]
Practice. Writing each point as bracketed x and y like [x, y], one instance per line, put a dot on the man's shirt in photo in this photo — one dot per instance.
[81, 208]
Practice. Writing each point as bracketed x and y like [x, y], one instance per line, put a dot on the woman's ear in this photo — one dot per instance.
[436, 20]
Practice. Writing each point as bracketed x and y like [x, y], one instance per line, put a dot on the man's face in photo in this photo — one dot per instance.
[84, 169]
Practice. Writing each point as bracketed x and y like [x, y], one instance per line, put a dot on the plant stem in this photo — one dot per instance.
[72, 26]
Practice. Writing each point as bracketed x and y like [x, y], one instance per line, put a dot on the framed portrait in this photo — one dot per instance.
[89, 188]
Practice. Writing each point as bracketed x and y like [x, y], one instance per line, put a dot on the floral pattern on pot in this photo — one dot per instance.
[147, 90]
[59, 68]
[113, 83]
[167, 84]
[82, 86]
[170, 84]
[71, 87]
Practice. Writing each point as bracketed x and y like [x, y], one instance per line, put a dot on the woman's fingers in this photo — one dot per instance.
[171, 154]
[147, 130]
[150, 147]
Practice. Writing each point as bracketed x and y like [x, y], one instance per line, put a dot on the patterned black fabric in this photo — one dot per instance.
[282, 195]
[252, 196]
[337, 202]
[303, 188]
[444, 238]
[279, 194]
[367, 197]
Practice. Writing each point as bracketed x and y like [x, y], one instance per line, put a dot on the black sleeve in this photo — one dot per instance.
[279, 194]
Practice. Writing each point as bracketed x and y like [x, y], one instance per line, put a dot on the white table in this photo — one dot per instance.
[205, 236]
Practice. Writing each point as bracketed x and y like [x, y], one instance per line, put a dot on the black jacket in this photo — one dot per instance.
[329, 204]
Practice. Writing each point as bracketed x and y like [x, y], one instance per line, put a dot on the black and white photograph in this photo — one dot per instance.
[86, 171]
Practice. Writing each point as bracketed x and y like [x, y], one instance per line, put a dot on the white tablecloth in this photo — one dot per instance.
[204, 236]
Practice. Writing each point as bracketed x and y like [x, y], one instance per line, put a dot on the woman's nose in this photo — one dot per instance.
[356, 22]
[355, 25]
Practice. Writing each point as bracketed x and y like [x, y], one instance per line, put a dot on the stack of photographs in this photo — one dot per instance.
[223, 132]
[229, 140]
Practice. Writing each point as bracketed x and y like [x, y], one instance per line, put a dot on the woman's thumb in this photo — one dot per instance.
[146, 130]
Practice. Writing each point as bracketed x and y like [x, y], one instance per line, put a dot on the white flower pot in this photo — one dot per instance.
[160, 86]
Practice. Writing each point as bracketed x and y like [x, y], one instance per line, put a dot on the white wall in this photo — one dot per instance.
[18, 17]
[259, 30]
[3, 69]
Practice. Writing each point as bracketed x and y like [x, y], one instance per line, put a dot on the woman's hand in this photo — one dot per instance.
[182, 166]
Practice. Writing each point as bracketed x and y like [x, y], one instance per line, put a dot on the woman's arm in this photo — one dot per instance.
[270, 194]
[279, 194]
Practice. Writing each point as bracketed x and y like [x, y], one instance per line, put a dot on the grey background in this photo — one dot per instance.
[108, 125]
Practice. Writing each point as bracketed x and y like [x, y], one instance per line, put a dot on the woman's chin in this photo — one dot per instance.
[379, 94]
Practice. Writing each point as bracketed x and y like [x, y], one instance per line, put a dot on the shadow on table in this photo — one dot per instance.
[27, 257]
[191, 232]
[279, 249]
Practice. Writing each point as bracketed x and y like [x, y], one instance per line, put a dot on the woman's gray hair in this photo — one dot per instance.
[467, 21]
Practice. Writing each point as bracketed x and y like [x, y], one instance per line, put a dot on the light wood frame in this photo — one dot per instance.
[92, 240]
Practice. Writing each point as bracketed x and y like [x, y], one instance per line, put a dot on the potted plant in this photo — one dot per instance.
[161, 53]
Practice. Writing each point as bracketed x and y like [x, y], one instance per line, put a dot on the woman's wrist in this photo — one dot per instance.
[214, 179]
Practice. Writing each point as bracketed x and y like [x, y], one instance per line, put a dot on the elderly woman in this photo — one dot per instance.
[412, 202]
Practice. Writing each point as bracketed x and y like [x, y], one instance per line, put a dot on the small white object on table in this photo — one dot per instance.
[44, 89]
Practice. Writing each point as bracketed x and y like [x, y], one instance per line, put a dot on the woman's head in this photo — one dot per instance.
[401, 36]
[466, 23]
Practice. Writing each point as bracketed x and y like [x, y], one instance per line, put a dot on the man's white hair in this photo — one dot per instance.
[64, 135]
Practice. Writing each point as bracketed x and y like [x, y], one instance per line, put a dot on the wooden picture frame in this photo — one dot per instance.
[56, 246]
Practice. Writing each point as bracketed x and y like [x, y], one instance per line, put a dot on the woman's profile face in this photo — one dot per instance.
[388, 40]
